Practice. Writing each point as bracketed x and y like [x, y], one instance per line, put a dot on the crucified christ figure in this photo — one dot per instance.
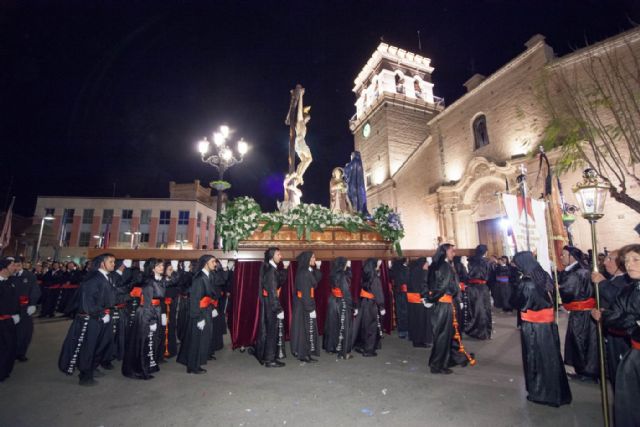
[301, 147]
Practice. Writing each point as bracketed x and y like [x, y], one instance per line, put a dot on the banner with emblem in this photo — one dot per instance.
[528, 223]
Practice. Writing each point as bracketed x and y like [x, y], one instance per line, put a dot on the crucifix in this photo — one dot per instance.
[291, 122]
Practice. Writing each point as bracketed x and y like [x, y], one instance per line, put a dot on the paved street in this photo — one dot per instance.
[393, 389]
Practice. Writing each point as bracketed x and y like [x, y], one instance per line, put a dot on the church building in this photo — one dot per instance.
[443, 169]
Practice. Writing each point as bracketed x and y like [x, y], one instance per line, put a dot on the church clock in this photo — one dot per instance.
[366, 130]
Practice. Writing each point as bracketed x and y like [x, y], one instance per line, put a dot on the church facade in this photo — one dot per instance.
[443, 169]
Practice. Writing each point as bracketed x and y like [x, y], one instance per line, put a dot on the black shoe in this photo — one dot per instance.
[21, 358]
[278, 362]
[98, 373]
[345, 356]
[88, 382]
[197, 372]
[372, 354]
[582, 378]
[273, 364]
[420, 345]
[309, 359]
[212, 357]
[359, 350]
[108, 366]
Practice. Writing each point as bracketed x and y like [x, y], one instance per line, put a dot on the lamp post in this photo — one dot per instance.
[591, 195]
[36, 255]
[222, 158]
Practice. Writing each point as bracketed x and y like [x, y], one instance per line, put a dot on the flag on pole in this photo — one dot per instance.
[5, 237]
[552, 193]
[533, 228]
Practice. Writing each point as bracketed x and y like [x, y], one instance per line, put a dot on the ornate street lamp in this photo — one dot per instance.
[222, 158]
[36, 255]
[592, 195]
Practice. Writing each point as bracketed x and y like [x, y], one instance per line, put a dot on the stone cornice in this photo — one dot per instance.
[392, 53]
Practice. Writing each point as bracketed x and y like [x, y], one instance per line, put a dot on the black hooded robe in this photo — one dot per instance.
[443, 285]
[9, 306]
[502, 288]
[419, 317]
[304, 329]
[581, 341]
[400, 278]
[479, 323]
[28, 295]
[139, 358]
[82, 340]
[267, 339]
[195, 340]
[616, 340]
[339, 328]
[545, 378]
[218, 323]
[371, 303]
[624, 315]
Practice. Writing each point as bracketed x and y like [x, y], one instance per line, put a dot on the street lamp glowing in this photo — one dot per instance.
[226, 154]
[218, 139]
[203, 146]
[591, 195]
[222, 157]
[243, 147]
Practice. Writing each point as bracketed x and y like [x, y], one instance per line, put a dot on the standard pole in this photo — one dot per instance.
[604, 394]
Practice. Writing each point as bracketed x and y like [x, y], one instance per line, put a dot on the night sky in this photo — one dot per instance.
[96, 95]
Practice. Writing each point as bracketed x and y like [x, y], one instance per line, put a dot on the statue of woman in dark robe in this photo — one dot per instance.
[354, 177]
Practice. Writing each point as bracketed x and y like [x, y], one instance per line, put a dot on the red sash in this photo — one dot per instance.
[583, 305]
[336, 292]
[205, 302]
[24, 299]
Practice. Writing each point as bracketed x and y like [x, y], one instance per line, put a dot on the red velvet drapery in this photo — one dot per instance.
[245, 303]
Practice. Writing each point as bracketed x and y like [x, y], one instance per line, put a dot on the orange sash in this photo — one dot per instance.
[446, 298]
[540, 316]
[266, 294]
[414, 298]
[477, 282]
[337, 292]
[365, 294]
[462, 286]
[299, 293]
[635, 345]
[136, 292]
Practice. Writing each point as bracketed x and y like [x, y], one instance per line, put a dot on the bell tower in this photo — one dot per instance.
[394, 103]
